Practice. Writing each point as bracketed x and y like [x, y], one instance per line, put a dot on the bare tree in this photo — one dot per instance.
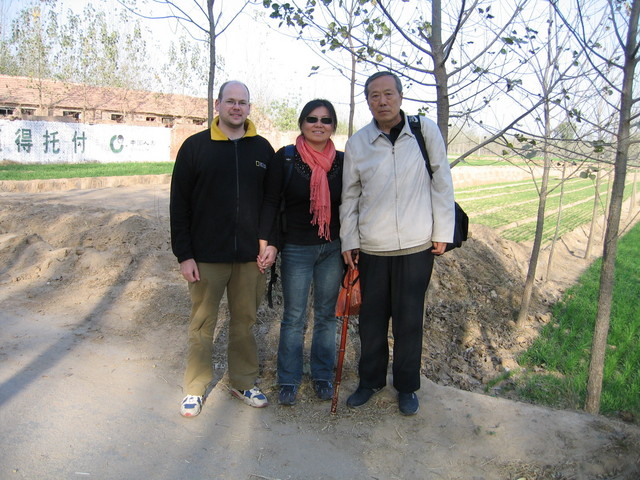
[594, 213]
[621, 19]
[202, 22]
[547, 83]
[33, 33]
[552, 77]
[186, 69]
[332, 29]
[459, 50]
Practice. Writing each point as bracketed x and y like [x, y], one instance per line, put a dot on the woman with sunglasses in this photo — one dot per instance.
[307, 180]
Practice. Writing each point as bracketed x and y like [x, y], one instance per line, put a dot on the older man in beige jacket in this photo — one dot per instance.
[394, 219]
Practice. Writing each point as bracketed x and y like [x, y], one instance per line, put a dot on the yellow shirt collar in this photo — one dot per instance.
[217, 134]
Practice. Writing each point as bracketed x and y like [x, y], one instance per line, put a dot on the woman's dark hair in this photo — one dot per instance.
[312, 105]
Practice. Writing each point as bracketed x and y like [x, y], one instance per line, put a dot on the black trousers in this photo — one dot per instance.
[392, 287]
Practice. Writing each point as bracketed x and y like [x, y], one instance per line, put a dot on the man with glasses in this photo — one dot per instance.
[394, 218]
[216, 197]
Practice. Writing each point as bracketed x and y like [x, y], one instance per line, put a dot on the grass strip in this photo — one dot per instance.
[562, 351]
[49, 171]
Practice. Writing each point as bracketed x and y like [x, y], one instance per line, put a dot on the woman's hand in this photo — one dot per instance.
[266, 256]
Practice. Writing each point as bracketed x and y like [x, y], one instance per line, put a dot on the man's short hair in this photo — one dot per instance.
[378, 75]
[224, 85]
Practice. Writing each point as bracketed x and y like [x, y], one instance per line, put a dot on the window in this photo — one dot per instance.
[4, 111]
[117, 117]
[168, 121]
[198, 121]
[150, 119]
[71, 113]
[27, 111]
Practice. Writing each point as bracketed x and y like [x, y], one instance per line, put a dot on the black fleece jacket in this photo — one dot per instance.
[217, 191]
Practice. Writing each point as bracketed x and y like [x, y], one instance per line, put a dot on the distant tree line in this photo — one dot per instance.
[98, 48]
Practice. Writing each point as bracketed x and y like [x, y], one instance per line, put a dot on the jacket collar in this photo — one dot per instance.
[218, 135]
[373, 132]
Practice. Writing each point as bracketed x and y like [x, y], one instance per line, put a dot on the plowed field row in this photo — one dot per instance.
[511, 208]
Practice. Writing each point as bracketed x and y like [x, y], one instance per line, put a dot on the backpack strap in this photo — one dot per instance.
[414, 123]
[461, 218]
[273, 278]
[289, 153]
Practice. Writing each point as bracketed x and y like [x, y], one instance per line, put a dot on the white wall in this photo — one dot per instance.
[26, 141]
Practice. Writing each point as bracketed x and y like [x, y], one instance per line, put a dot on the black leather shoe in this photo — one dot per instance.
[408, 403]
[361, 396]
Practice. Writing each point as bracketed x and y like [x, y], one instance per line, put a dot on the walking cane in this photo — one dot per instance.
[343, 310]
[343, 342]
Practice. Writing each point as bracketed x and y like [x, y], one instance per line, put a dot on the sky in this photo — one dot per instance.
[270, 61]
[276, 65]
[273, 63]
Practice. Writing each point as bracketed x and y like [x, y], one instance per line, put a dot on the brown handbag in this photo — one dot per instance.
[349, 298]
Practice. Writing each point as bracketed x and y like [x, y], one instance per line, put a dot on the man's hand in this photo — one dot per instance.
[189, 270]
[351, 257]
[438, 248]
[266, 256]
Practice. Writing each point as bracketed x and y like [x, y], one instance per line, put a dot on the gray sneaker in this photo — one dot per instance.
[191, 406]
[323, 389]
[253, 397]
[287, 395]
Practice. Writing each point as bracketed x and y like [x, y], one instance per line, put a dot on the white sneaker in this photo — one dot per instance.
[253, 397]
[191, 406]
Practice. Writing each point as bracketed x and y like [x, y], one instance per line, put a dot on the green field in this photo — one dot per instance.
[511, 209]
[556, 365]
[562, 350]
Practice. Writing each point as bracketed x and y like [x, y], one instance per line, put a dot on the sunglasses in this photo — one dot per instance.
[325, 120]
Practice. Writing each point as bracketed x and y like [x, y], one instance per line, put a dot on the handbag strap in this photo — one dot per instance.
[345, 282]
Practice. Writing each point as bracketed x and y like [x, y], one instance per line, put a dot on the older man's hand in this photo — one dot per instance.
[439, 248]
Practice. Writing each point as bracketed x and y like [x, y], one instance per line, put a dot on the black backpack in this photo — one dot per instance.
[461, 229]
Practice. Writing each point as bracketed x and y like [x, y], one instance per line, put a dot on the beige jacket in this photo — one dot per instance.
[389, 202]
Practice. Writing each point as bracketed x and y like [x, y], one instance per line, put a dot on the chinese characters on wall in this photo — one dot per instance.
[56, 142]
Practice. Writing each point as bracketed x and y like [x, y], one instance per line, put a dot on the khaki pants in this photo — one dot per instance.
[245, 288]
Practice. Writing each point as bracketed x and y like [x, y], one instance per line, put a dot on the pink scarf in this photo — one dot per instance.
[320, 163]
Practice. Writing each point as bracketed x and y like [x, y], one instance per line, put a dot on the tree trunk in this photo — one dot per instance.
[607, 273]
[607, 204]
[634, 192]
[352, 87]
[544, 187]
[537, 242]
[558, 221]
[212, 61]
[594, 215]
[440, 70]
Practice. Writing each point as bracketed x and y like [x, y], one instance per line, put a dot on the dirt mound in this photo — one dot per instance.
[470, 334]
[93, 303]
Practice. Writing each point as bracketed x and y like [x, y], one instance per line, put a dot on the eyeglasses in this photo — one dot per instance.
[325, 120]
[233, 103]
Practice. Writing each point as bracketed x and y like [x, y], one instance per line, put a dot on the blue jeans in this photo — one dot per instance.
[302, 264]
